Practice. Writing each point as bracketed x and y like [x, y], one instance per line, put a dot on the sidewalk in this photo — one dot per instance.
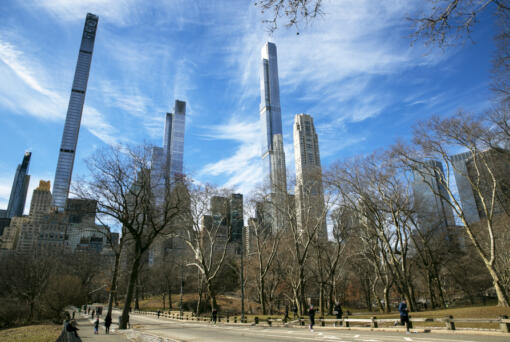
[86, 331]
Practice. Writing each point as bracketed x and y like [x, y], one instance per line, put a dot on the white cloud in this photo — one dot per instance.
[22, 91]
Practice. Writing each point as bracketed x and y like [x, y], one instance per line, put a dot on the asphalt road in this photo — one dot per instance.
[200, 331]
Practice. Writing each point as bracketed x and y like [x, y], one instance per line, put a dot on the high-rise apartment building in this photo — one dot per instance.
[19, 188]
[273, 154]
[173, 144]
[430, 197]
[464, 188]
[74, 112]
[309, 194]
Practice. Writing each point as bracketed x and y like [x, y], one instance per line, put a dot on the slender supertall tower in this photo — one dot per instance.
[74, 111]
[273, 154]
[310, 208]
[19, 188]
[173, 144]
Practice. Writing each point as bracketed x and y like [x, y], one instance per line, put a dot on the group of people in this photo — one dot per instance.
[107, 323]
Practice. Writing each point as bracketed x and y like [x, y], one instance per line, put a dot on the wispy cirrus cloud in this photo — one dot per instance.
[24, 93]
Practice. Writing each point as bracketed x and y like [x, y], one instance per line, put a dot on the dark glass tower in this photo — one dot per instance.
[19, 188]
[74, 111]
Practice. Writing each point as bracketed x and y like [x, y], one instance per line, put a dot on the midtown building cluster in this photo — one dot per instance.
[55, 220]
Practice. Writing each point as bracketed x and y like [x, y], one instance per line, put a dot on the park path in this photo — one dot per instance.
[86, 332]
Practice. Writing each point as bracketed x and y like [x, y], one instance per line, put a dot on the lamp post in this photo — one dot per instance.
[182, 285]
[242, 282]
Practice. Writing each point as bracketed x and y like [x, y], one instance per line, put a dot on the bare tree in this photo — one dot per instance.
[206, 235]
[448, 21]
[436, 138]
[127, 190]
[295, 12]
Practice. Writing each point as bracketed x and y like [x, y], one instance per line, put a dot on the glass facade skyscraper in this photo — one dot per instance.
[430, 197]
[74, 112]
[19, 188]
[174, 140]
[273, 154]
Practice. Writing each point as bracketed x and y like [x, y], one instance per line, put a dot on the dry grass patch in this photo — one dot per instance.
[31, 333]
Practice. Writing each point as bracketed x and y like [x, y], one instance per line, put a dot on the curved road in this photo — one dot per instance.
[201, 331]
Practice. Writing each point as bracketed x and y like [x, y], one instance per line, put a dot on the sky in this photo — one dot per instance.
[355, 70]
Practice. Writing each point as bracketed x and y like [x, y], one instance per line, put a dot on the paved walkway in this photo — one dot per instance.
[86, 332]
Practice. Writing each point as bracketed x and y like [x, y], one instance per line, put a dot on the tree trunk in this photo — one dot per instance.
[137, 294]
[164, 301]
[212, 296]
[262, 295]
[387, 307]
[130, 290]
[321, 299]
[500, 290]
[113, 287]
[431, 290]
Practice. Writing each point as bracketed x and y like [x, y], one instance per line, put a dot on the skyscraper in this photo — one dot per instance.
[273, 154]
[19, 188]
[467, 197]
[309, 192]
[173, 144]
[430, 197]
[74, 111]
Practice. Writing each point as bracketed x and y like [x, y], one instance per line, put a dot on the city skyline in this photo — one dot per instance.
[221, 133]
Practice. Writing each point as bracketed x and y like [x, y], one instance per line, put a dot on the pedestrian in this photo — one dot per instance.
[214, 315]
[286, 317]
[311, 315]
[404, 314]
[294, 310]
[338, 311]
[74, 312]
[93, 313]
[107, 323]
[159, 313]
[96, 326]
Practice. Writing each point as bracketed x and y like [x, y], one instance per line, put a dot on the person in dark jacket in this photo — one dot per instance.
[96, 326]
[404, 314]
[107, 323]
[311, 315]
[338, 312]
[294, 310]
[214, 315]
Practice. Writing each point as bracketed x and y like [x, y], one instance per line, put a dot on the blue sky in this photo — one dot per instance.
[354, 70]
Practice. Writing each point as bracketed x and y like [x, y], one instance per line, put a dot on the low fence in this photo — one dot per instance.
[448, 323]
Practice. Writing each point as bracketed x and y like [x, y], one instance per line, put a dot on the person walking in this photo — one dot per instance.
[294, 310]
[286, 317]
[93, 313]
[338, 312]
[214, 315]
[311, 315]
[159, 313]
[107, 323]
[96, 326]
[404, 314]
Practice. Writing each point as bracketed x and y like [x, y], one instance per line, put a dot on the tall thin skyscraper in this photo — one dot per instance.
[310, 208]
[19, 188]
[74, 112]
[174, 140]
[430, 197]
[273, 154]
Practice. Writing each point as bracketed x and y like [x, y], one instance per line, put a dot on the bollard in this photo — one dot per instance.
[450, 325]
[373, 324]
[256, 320]
[505, 327]
[269, 321]
[301, 321]
[323, 324]
[346, 322]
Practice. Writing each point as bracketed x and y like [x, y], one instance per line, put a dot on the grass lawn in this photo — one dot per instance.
[31, 333]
